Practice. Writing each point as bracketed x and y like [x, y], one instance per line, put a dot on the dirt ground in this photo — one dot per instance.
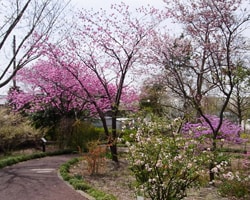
[112, 181]
[120, 182]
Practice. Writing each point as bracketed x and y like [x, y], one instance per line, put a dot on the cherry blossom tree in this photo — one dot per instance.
[65, 85]
[24, 25]
[44, 101]
[111, 46]
[46, 84]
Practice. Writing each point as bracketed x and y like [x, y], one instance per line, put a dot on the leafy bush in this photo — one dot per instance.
[235, 180]
[100, 132]
[14, 130]
[64, 131]
[83, 132]
[16, 159]
[126, 135]
[207, 127]
[79, 184]
[99, 195]
[235, 185]
[245, 136]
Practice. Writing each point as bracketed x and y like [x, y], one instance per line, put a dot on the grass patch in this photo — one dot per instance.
[78, 183]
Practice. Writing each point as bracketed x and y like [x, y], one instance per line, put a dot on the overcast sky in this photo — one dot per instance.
[95, 4]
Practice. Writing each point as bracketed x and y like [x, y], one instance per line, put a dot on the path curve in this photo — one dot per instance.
[36, 179]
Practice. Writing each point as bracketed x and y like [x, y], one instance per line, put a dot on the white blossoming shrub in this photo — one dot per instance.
[235, 184]
[235, 181]
[164, 162]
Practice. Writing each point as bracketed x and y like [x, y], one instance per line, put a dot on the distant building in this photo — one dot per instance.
[120, 121]
[3, 100]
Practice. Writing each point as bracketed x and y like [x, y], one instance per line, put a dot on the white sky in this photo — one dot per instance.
[96, 4]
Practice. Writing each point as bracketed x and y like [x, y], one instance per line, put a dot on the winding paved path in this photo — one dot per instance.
[36, 180]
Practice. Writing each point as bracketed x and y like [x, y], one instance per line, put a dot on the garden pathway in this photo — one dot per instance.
[36, 179]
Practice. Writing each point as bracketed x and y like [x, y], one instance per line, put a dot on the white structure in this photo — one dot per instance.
[119, 122]
[3, 99]
[245, 125]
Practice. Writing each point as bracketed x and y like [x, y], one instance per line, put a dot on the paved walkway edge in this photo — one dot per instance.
[84, 194]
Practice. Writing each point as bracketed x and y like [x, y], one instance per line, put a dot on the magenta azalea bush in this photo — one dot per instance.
[228, 132]
[216, 133]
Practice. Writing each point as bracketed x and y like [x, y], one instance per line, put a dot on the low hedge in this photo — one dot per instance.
[79, 184]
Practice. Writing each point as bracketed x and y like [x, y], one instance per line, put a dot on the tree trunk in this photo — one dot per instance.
[114, 153]
[212, 164]
[211, 173]
[112, 141]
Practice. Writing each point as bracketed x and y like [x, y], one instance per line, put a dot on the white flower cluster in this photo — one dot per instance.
[219, 167]
[235, 176]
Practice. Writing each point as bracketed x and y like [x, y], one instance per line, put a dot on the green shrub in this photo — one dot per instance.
[64, 169]
[99, 195]
[235, 188]
[78, 184]
[166, 164]
[126, 135]
[82, 133]
[14, 130]
[236, 183]
[16, 159]
[245, 136]
[101, 133]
